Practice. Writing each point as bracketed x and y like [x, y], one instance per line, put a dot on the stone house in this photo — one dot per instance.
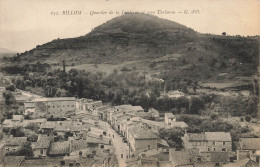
[208, 141]
[169, 118]
[41, 147]
[57, 107]
[141, 139]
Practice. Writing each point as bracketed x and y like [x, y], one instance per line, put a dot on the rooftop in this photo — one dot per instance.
[250, 143]
[218, 136]
[59, 148]
[141, 133]
[17, 117]
[44, 99]
[169, 115]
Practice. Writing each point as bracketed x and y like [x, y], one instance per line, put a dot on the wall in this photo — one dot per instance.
[37, 152]
[219, 145]
[2, 154]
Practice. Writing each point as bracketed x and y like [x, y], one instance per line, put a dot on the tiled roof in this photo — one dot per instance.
[141, 133]
[219, 156]
[59, 148]
[16, 141]
[17, 117]
[179, 124]
[91, 139]
[169, 115]
[218, 136]
[180, 157]
[196, 137]
[54, 99]
[250, 143]
[41, 144]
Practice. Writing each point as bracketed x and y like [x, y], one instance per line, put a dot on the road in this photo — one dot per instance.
[121, 148]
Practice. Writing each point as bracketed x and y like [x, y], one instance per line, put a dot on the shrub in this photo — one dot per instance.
[248, 118]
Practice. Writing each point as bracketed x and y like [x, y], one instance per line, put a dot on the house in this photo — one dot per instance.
[183, 158]
[141, 139]
[248, 147]
[2, 154]
[14, 144]
[41, 147]
[169, 118]
[208, 141]
[55, 107]
[18, 118]
[59, 148]
[249, 144]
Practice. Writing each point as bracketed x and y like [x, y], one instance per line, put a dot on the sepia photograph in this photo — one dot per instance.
[129, 83]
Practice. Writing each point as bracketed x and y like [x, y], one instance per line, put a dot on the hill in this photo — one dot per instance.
[159, 47]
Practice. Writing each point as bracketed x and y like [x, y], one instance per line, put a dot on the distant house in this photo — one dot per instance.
[141, 139]
[208, 141]
[248, 147]
[196, 158]
[169, 118]
[14, 144]
[56, 107]
[41, 147]
[59, 148]
[18, 118]
[249, 144]
[2, 153]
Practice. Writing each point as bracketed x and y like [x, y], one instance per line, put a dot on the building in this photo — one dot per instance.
[169, 118]
[208, 141]
[14, 144]
[141, 139]
[2, 154]
[58, 107]
[18, 118]
[41, 147]
[248, 147]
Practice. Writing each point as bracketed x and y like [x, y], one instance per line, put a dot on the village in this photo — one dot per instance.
[67, 131]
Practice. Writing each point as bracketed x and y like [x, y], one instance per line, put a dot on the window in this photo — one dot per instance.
[224, 143]
[149, 147]
[214, 149]
[208, 149]
[41, 151]
[224, 149]
[214, 143]
[199, 159]
[53, 106]
[68, 105]
[72, 105]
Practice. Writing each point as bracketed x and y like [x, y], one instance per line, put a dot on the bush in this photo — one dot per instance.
[10, 87]
[248, 118]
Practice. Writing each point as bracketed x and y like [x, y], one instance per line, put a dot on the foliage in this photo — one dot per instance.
[248, 118]
[172, 136]
[10, 87]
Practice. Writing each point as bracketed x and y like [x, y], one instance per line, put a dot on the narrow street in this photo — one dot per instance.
[121, 148]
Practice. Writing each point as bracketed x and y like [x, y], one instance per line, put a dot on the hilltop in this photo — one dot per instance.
[153, 45]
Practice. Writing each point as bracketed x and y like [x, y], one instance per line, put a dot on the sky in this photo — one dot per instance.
[27, 23]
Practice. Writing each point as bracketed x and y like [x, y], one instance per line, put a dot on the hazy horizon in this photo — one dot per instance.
[31, 23]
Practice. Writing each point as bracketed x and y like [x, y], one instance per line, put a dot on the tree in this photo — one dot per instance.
[10, 87]
[26, 150]
[9, 98]
[195, 104]
[172, 136]
[224, 33]
[248, 118]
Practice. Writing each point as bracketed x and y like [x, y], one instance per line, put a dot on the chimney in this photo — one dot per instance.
[63, 63]
[237, 154]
